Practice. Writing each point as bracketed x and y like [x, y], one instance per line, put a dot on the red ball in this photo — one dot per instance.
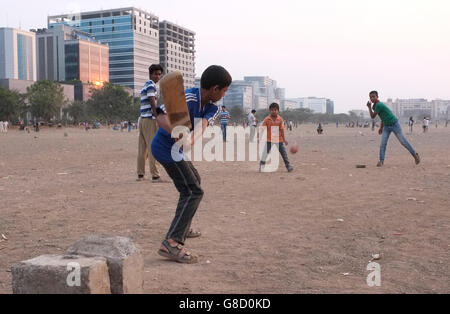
[294, 149]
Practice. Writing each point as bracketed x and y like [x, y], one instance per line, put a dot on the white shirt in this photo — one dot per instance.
[251, 120]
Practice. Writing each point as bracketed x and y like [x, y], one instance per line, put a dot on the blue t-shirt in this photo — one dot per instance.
[224, 117]
[163, 142]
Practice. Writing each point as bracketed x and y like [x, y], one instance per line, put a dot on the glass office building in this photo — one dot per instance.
[65, 54]
[132, 36]
[17, 54]
[86, 61]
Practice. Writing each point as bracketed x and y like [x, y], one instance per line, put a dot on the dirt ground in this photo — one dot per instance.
[310, 231]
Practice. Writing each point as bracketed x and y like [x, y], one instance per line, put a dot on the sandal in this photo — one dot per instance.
[177, 254]
[193, 234]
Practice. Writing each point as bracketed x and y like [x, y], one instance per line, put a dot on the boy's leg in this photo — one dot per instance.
[154, 165]
[384, 140]
[224, 132]
[195, 233]
[285, 157]
[252, 133]
[186, 180]
[142, 151]
[266, 152]
[402, 139]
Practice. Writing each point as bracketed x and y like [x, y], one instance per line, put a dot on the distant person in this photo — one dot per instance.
[337, 124]
[253, 123]
[389, 124]
[36, 126]
[148, 125]
[86, 126]
[224, 119]
[130, 126]
[2, 127]
[426, 125]
[373, 125]
[320, 129]
[275, 120]
[411, 124]
[437, 123]
[291, 125]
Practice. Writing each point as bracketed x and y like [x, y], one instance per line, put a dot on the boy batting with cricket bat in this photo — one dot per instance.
[201, 105]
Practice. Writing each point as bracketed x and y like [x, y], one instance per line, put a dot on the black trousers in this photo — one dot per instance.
[188, 183]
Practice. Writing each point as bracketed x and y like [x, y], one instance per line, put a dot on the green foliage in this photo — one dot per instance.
[46, 99]
[77, 111]
[112, 104]
[237, 114]
[11, 105]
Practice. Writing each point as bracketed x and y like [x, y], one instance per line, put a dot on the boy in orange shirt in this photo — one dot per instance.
[275, 120]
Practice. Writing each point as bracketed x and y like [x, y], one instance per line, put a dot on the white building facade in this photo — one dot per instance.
[177, 51]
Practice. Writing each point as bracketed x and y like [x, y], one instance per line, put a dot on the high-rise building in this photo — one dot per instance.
[65, 54]
[17, 54]
[419, 107]
[330, 106]
[177, 51]
[240, 94]
[133, 38]
[265, 91]
[87, 61]
[318, 105]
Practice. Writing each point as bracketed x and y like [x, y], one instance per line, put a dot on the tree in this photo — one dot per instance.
[237, 114]
[77, 111]
[111, 104]
[11, 104]
[46, 99]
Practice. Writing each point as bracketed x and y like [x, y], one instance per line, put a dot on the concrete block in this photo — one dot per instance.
[125, 261]
[56, 274]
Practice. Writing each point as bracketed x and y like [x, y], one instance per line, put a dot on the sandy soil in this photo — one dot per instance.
[263, 233]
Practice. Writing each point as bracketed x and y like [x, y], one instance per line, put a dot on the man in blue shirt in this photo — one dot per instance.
[224, 118]
[201, 105]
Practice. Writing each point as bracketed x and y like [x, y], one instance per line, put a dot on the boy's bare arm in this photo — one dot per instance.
[373, 115]
[282, 136]
[195, 136]
[153, 104]
[163, 123]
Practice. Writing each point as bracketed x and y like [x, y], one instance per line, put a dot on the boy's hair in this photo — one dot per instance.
[274, 106]
[215, 75]
[253, 111]
[155, 67]
[374, 93]
[223, 107]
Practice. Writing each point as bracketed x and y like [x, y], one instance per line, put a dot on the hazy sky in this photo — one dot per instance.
[339, 49]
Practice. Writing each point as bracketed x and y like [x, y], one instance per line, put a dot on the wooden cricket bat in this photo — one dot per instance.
[172, 89]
